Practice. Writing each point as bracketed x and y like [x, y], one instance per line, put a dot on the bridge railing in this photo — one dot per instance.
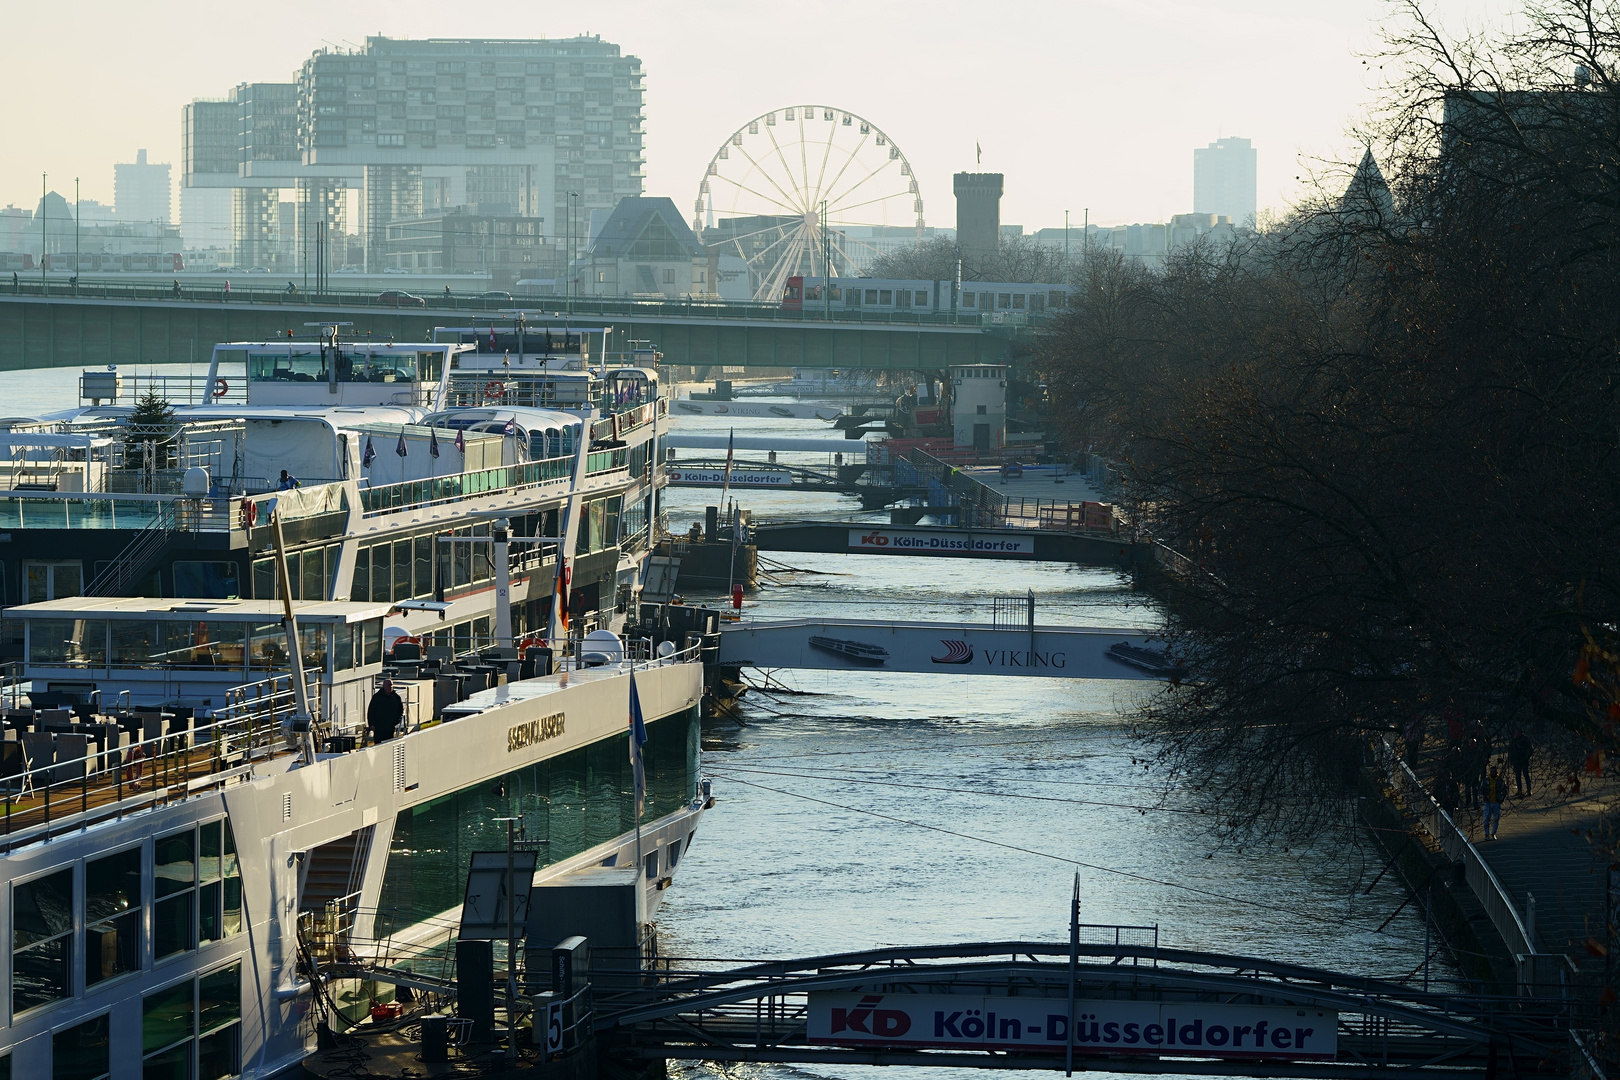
[1539, 971]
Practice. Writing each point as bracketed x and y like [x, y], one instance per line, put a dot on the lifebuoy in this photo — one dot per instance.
[250, 512]
[221, 387]
[494, 390]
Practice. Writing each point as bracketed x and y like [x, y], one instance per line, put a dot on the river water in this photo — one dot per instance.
[889, 808]
[881, 808]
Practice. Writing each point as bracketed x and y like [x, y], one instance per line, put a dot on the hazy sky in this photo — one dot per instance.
[1088, 103]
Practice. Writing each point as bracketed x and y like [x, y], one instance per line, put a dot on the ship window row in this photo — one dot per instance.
[200, 645]
[134, 908]
[311, 571]
[567, 804]
[192, 1029]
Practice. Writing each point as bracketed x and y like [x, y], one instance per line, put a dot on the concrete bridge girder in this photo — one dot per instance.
[68, 332]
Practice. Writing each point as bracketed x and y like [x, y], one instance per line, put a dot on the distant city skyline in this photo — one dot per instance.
[1291, 79]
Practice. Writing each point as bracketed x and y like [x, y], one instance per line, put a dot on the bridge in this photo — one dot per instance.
[1086, 548]
[106, 323]
[1002, 648]
[1125, 1005]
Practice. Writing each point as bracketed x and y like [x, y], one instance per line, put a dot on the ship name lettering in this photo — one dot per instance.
[534, 731]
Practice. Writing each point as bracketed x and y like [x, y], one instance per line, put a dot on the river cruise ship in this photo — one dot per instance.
[404, 458]
[174, 880]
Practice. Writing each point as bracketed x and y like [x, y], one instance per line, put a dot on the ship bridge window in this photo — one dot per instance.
[197, 888]
[67, 642]
[199, 1019]
[112, 916]
[83, 1051]
[52, 580]
[41, 940]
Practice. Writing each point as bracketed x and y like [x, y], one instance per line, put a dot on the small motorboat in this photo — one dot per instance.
[858, 652]
[1150, 660]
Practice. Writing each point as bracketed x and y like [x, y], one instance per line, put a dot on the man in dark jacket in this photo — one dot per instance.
[384, 712]
[1519, 751]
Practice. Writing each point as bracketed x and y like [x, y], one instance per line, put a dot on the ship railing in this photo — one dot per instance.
[81, 772]
[415, 494]
[108, 510]
[174, 389]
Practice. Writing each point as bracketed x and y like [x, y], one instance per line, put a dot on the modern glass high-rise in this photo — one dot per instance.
[1224, 180]
[501, 126]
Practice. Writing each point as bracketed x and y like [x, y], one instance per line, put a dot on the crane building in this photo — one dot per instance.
[548, 129]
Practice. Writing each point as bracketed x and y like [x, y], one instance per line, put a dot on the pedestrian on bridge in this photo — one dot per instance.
[1413, 736]
[1519, 751]
[1496, 789]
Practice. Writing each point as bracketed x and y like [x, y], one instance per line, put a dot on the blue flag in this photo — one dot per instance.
[433, 443]
[638, 739]
[511, 427]
[399, 447]
[370, 454]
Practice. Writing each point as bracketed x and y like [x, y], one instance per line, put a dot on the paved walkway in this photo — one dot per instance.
[1543, 849]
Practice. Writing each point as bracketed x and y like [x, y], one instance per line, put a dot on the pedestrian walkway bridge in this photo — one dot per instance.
[1098, 548]
[1121, 1005]
[944, 648]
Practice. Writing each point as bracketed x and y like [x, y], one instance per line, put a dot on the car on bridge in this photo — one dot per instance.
[400, 298]
[495, 296]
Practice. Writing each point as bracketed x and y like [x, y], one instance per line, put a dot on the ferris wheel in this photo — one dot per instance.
[805, 188]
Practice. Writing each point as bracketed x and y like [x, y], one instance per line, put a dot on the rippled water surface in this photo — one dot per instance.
[883, 808]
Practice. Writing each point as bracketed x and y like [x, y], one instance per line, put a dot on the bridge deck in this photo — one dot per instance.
[1099, 548]
[148, 325]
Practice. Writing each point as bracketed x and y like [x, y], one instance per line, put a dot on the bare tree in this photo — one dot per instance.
[1385, 431]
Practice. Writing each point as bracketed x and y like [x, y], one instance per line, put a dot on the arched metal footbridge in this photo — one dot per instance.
[1127, 1005]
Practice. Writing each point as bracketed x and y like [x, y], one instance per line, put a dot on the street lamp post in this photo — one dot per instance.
[568, 255]
[44, 244]
[78, 215]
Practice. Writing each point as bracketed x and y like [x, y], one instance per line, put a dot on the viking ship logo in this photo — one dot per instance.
[956, 652]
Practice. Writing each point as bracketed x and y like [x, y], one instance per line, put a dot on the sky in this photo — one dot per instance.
[1083, 105]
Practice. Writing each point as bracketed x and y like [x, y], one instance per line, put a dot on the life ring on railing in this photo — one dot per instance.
[221, 387]
[250, 512]
[493, 390]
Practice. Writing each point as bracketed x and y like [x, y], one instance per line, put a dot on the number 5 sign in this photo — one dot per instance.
[554, 1028]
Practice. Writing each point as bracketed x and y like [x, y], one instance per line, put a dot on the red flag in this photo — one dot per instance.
[562, 592]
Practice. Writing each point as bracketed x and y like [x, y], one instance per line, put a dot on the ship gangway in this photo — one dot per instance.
[1122, 1005]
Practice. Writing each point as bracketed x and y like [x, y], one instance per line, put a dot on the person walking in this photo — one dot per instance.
[1496, 789]
[1413, 737]
[1519, 751]
[384, 712]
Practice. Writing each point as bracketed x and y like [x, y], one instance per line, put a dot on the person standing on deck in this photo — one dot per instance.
[384, 712]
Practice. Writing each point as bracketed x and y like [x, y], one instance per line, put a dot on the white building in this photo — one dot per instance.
[1224, 180]
[979, 406]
